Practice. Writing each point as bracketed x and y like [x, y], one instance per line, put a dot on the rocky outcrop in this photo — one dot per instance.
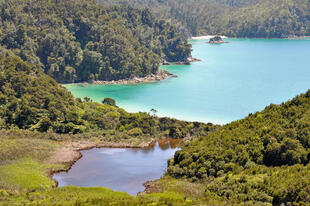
[161, 75]
[216, 40]
[187, 62]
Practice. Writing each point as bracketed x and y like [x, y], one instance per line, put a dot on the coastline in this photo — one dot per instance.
[189, 60]
[70, 153]
[220, 42]
[161, 75]
[205, 37]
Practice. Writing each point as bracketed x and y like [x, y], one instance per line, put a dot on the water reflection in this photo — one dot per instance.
[122, 169]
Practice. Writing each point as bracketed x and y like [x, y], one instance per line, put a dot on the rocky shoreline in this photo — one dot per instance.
[161, 75]
[189, 60]
[217, 40]
[205, 37]
[193, 59]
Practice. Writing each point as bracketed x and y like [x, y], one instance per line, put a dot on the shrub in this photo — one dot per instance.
[135, 132]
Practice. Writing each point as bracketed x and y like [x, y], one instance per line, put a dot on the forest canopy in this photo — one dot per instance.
[31, 100]
[233, 18]
[263, 157]
[77, 40]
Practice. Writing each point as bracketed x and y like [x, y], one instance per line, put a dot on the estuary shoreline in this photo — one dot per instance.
[70, 153]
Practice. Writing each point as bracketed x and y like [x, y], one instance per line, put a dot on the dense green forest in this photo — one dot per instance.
[158, 36]
[260, 160]
[263, 157]
[39, 117]
[30, 99]
[233, 18]
[78, 40]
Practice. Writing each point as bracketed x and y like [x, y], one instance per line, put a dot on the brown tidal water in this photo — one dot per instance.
[120, 169]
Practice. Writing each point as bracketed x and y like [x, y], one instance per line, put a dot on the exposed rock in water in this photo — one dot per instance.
[193, 59]
[187, 62]
[216, 40]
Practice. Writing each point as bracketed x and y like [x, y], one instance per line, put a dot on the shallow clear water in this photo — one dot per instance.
[119, 169]
[231, 81]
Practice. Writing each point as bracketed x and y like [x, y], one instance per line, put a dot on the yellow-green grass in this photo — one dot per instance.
[72, 195]
[16, 148]
[24, 179]
[26, 175]
[193, 193]
[23, 164]
[180, 186]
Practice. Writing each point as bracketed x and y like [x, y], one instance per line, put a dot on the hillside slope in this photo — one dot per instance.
[263, 157]
[42, 128]
[76, 40]
[240, 18]
[30, 99]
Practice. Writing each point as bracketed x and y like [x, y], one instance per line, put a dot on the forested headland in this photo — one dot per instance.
[263, 158]
[78, 41]
[233, 18]
[31, 100]
[39, 118]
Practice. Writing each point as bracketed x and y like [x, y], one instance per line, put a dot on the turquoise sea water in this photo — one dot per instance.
[231, 81]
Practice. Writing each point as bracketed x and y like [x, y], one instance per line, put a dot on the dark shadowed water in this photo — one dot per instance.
[121, 169]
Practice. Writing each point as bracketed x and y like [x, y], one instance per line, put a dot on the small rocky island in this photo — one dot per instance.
[216, 40]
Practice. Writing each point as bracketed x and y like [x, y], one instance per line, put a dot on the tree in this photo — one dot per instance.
[109, 101]
[87, 99]
[154, 111]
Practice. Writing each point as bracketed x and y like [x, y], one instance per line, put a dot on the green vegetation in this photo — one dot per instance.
[234, 18]
[23, 161]
[92, 196]
[109, 101]
[39, 118]
[24, 168]
[262, 158]
[78, 40]
[158, 36]
[25, 174]
[30, 99]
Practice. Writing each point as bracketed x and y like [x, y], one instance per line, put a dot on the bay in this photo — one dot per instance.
[231, 81]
